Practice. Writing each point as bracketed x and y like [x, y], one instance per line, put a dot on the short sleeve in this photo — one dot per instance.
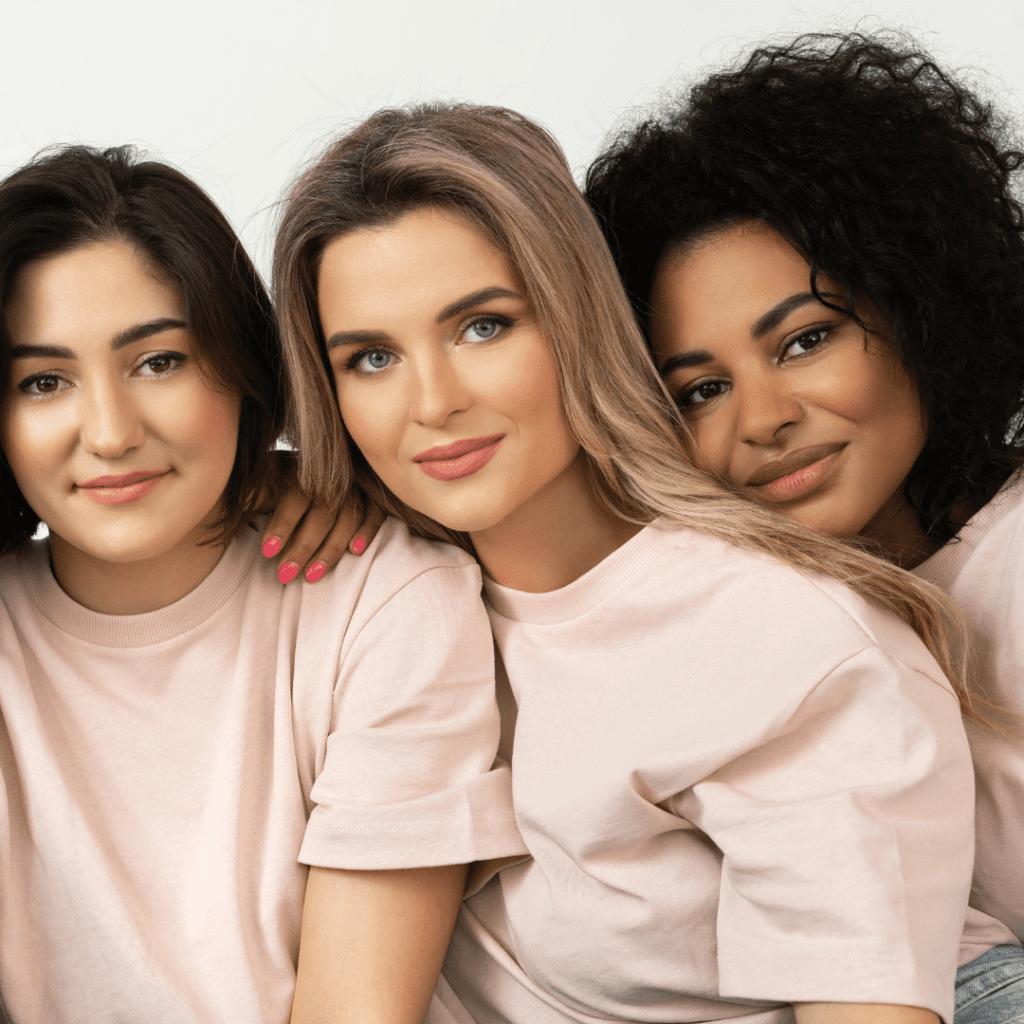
[847, 841]
[409, 777]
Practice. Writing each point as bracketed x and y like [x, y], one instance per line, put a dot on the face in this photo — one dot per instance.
[115, 439]
[784, 395]
[444, 378]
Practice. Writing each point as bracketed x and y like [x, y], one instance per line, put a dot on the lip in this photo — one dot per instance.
[460, 458]
[456, 448]
[121, 489]
[798, 473]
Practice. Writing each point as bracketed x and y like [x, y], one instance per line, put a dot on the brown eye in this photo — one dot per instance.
[46, 385]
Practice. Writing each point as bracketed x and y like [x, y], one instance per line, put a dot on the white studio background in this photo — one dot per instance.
[239, 94]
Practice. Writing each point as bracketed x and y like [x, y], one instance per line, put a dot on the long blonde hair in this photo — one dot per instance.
[509, 178]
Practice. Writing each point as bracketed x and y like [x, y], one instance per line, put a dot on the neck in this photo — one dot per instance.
[896, 530]
[131, 588]
[555, 537]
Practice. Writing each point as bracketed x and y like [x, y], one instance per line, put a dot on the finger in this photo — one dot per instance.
[315, 527]
[289, 512]
[336, 544]
[371, 523]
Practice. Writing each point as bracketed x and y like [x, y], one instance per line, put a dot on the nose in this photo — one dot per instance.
[110, 424]
[439, 391]
[766, 408]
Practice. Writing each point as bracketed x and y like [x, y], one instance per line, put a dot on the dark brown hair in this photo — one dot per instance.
[73, 196]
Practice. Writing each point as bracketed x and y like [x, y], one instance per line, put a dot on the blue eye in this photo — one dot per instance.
[370, 361]
[487, 328]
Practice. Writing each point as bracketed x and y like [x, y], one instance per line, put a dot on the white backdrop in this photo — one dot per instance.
[238, 94]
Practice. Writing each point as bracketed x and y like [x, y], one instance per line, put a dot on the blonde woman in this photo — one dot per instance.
[744, 785]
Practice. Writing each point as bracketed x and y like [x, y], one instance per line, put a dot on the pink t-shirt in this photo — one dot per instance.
[741, 786]
[983, 571]
[167, 776]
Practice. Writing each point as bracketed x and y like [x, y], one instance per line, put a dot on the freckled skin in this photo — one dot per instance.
[109, 412]
[769, 396]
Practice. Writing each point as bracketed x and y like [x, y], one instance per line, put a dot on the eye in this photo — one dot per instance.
[370, 360]
[701, 393]
[162, 364]
[43, 384]
[806, 342]
[486, 328]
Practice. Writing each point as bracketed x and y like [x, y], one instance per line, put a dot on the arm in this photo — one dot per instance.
[372, 943]
[861, 1013]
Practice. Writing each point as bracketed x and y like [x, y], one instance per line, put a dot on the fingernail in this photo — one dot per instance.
[315, 571]
[287, 572]
[359, 545]
[271, 546]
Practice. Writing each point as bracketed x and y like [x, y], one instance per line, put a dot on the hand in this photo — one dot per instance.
[308, 538]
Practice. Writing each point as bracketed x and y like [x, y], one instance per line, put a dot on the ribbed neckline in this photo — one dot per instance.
[123, 631]
[624, 564]
[945, 565]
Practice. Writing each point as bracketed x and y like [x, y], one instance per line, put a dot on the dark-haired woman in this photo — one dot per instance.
[197, 763]
[826, 250]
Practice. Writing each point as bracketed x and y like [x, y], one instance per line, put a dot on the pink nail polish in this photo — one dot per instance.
[271, 546]
[287, 572]
[315, 571]
[359, 545]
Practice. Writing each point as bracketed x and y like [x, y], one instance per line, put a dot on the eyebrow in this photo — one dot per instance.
[770, 320]
[138, 332]
[767, 322]
[475, 299]
[451, 310]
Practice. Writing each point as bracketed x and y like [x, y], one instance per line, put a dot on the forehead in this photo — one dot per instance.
[94, 290]
[751, 260]
[424, 259]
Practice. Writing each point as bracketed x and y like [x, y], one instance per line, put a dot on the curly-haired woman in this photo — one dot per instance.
[825, 239]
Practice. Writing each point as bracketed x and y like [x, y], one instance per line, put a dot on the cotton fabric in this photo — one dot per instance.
[741, 787]
[168, 776]
[982, 570]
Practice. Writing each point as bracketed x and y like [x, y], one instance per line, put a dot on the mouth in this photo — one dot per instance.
[126, 487]
[798, 473]
[458, 459]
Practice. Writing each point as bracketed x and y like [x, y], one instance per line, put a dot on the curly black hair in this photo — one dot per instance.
[889, 176]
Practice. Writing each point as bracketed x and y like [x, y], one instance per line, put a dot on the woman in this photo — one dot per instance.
[825, 248]
[734, 778]
[183, 740]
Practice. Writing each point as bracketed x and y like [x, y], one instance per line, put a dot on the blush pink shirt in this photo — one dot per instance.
[983, 571]
[168, 776]
[741, 786]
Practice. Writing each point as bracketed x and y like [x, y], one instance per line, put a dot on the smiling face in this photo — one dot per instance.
[785, 395]
[444, 378]
[115, 439]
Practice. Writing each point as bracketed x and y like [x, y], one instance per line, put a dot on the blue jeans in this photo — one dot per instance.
[990, 989]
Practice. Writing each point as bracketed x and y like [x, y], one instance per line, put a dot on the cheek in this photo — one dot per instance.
[712, 441]
[372, 417]
[203, 423]
[37, 438]
[526, 389]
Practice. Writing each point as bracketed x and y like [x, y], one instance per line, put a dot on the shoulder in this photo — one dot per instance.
[397, 566]
[771, 614]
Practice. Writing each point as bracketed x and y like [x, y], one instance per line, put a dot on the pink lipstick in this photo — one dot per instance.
[119, 490]
[798, 473]
[458, 459]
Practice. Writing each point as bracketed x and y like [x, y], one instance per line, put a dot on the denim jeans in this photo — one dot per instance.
[990, 989]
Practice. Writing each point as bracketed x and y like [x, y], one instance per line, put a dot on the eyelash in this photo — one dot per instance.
[503, 323]
[178, 358]
[824, 330]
